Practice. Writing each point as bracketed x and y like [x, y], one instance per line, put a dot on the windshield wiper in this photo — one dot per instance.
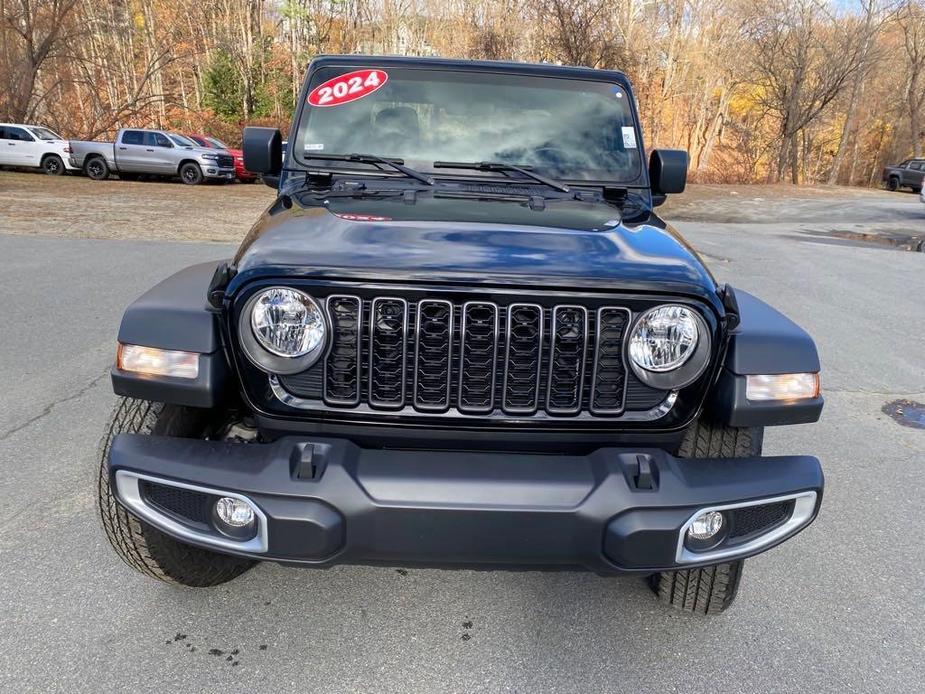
[501, 166]
[397, 164]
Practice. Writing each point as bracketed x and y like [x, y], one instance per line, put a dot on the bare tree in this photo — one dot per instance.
[874, 13]
[911, 20]
[32, 33]
[581, 32]
[803, 61]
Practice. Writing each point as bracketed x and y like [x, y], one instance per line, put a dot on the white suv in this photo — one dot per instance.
[33, 146]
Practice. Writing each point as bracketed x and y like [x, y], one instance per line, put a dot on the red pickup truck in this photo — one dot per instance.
[240, 172]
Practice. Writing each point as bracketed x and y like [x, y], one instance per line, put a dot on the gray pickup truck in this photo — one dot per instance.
[138, 152]
[909, 174]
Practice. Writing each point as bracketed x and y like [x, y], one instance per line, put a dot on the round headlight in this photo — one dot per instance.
[287, 322]
[664, 338]
[669, 346]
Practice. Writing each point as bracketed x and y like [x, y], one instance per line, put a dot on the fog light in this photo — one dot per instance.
[234, 513]
[706, 526]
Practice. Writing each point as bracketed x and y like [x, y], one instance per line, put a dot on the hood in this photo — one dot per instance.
[489, 241]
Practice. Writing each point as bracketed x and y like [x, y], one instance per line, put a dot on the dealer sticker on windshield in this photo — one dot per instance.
[629, 137]
[347, 87]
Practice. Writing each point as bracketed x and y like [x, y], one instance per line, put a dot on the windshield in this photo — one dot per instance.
[217, 143]
[45, 134]
[181, 141]
[565, 128]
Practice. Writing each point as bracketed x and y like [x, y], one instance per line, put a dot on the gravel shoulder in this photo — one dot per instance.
[77, 207]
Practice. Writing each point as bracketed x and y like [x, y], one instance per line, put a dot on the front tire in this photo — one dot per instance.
[138, 544]
[53, 165]
[892, 184]
[712, 589]
[707, 591]
[191, 174]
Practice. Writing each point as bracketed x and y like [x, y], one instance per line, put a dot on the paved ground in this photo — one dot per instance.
[840, 608]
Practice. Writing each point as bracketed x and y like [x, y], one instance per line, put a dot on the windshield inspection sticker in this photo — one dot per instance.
[347, 87]
[629, 137]
[312, 147]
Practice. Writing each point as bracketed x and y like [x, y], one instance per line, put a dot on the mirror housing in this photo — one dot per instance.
[263, 151]
[667, 173]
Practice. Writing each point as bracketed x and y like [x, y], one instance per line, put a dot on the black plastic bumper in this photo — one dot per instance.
[361, 506]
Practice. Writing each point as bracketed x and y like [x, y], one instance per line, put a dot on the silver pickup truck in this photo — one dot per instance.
[139, 152]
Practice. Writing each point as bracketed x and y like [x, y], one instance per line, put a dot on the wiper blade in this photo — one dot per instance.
[502, 166]
[397, 164]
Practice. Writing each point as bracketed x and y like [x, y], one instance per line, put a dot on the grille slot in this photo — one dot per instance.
[608, 382]
[342, 365]
[387, 352]
[567, 359]
[433, 355]
[523, 358]
[478, 357]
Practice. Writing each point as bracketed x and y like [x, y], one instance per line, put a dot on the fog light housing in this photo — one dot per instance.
[706, 525]
[235, 518]
[706, 531]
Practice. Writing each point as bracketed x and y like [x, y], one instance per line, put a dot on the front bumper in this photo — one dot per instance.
[326, 501]
[211, 170]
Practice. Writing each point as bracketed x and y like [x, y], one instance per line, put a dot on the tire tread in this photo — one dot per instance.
[708, 590]
[138, 544]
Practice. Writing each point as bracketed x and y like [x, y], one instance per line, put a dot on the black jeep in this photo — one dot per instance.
[460, 336]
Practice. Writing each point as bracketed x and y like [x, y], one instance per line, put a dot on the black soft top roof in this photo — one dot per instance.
[537, 69]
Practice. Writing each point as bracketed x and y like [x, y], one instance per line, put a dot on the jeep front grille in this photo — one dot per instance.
[477, 358]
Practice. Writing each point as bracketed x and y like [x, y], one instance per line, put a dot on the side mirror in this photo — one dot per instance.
[667, 173]
[263, 152]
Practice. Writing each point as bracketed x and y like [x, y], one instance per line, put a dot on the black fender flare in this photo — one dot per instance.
[176, 315]
[765, 341]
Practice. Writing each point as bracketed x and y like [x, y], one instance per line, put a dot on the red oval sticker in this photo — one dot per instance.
[347, 87]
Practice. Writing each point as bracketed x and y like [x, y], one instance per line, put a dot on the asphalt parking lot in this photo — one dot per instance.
[839, 608]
